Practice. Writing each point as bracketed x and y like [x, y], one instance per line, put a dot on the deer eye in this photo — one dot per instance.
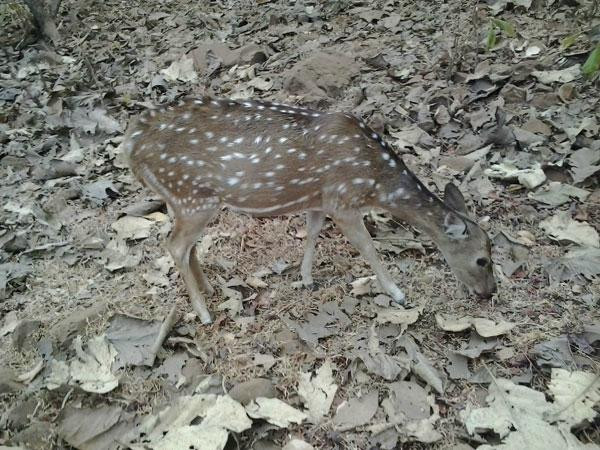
[482, 262]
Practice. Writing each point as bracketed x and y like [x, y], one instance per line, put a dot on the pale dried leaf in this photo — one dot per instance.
[579, 261]
[576, 394]
[489, 328]
[530, 178]
[318, 392]
[182, 69]
[520, 416]
[275, 412]
[556, 194]
[558, 76]
[297, 444]
[227, 413]
[129, 227]
[484, 327]
[562, 227]
[92, 371]
[187, 437]
[361, 286]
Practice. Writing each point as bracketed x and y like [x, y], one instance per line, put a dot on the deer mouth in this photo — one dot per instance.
[487, 294]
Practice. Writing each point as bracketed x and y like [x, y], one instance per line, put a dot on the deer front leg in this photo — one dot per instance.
[181, 242]
[314, 223]
[352, 225]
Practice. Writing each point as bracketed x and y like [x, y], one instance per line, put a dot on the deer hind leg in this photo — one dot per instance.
[181, 244]
[314, 223]
[352, 225]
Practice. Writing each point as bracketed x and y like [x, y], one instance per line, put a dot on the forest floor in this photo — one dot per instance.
[99, 347]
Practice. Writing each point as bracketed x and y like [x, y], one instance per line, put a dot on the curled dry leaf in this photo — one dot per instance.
[361, 286]
[275, 412]
[484, 327]
[530, 178]
[27, 377]
[256, 282]
[399, 316]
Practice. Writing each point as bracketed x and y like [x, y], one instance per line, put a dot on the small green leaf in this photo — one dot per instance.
[491, 39]
[592, 65]
[569, 40]
[505, 26]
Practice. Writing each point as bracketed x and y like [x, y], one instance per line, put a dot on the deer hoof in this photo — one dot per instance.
[399, 297]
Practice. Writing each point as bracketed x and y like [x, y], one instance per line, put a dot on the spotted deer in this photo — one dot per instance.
[269, 159]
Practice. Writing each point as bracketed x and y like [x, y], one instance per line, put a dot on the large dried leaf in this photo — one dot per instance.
[522, 417]
[318, 392]
[379, 362]
[556, 194]
[407, 400]
[530, 178]
[91, 370]
[421, 366]
[576, 394]
[327, 322]
[227, 413]
[562, 227]
[577, 263]
[275, 411]
[558, 76]
[182, 69]
[584, 162]
[93, 429]
[188, 437]
[356, 412]
[129, 227]
[134, 339]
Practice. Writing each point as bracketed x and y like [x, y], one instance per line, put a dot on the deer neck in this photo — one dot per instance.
[406, 198]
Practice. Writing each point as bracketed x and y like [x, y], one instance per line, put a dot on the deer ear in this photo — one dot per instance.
[455, 227]
[454, 199]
